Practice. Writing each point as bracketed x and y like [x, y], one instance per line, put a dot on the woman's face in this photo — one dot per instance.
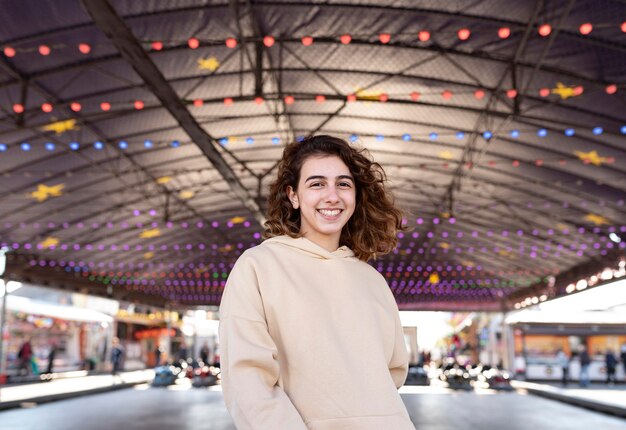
[326, 196]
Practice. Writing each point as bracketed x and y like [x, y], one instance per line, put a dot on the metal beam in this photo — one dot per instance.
[107, 19]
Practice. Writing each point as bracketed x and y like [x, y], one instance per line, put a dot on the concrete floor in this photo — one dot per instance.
[185, 408]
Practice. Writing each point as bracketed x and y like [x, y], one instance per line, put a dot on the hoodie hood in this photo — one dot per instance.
[304, 245]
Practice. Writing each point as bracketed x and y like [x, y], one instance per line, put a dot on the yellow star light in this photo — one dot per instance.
[237, 220]
[61, 127]
[433, 278]
[49, 242]
[597, 219]
[368, 95]
[186, 194]
[506, 254]
[44, 192]
[446, 155]
[210, 64]
[148, 255]
[147, 234]
[163, 180]
[563, 91]
[444, 245]
[591, 157]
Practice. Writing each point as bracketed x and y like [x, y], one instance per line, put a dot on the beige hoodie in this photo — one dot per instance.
[310, 339]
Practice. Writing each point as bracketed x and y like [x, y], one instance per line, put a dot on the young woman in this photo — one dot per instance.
[310, 333]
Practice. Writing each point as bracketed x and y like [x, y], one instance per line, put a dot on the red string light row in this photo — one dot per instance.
[463, 34]
[479, 94]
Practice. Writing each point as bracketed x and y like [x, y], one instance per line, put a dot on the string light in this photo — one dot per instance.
[504, 32]
[74, 146]
[44, 50]
[384, 38]
[9, 52]
[586, 28]
[307, 41]
[423, 36]
[98, 145]
[18, 108]
[269, 41]
[75, 106]
[84, 48]
[464, 34]
[611, 89]
[156, 45]
[545, 30]
[193, 43]
[139, 104]
[345, 39]
[49, 146]
[231, 42]
[46, 107]
[105, 106]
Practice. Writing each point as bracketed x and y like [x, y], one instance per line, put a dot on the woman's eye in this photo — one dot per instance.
[316, 184]
[345, 184]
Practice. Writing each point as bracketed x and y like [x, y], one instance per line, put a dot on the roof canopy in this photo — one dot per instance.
[138, 139]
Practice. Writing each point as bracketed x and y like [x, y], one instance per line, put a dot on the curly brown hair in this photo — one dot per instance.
[371, 230]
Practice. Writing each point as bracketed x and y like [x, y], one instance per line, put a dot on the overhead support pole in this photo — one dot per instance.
[114, 27]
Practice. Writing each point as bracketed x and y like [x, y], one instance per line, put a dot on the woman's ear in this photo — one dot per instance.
[293, 197]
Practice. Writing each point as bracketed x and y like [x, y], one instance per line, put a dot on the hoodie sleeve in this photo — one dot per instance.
[399, 363]
[250, 370]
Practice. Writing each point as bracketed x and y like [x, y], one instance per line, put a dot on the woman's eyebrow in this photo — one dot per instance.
[310, 178]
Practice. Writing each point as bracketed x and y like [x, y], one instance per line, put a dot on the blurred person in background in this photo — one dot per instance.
[25, 356]
[611, 363]
[585, 361]
[117, 356]
[204, 353]
[623, 358]
[563, 360]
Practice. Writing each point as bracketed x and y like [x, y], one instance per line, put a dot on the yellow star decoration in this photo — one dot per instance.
[368, 95]
[446, 155]
[433, 278]
[186, 194]
[506, 254]
[445, 215]
[49, 242]
[591, 157]
[562, 226]
[163, 180]
[44, 192]
[210, 64]
[597, 219]
[61, 127]
[563, 91]
[148, 255]
[148, 234]
[226, 248]
[444, 245]
[237, 220]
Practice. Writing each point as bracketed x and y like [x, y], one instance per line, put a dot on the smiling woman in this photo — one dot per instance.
[304, 318]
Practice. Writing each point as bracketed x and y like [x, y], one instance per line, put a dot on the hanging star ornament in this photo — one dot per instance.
[565, 92]
[163, 180]
[597, 219]
[446, 155]
[60, 127]
[237, 220]
[186, 194]
[49, 242]
[592, 157]
[433, 278]
[148, 234]
[44, 192]
[211, 64]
